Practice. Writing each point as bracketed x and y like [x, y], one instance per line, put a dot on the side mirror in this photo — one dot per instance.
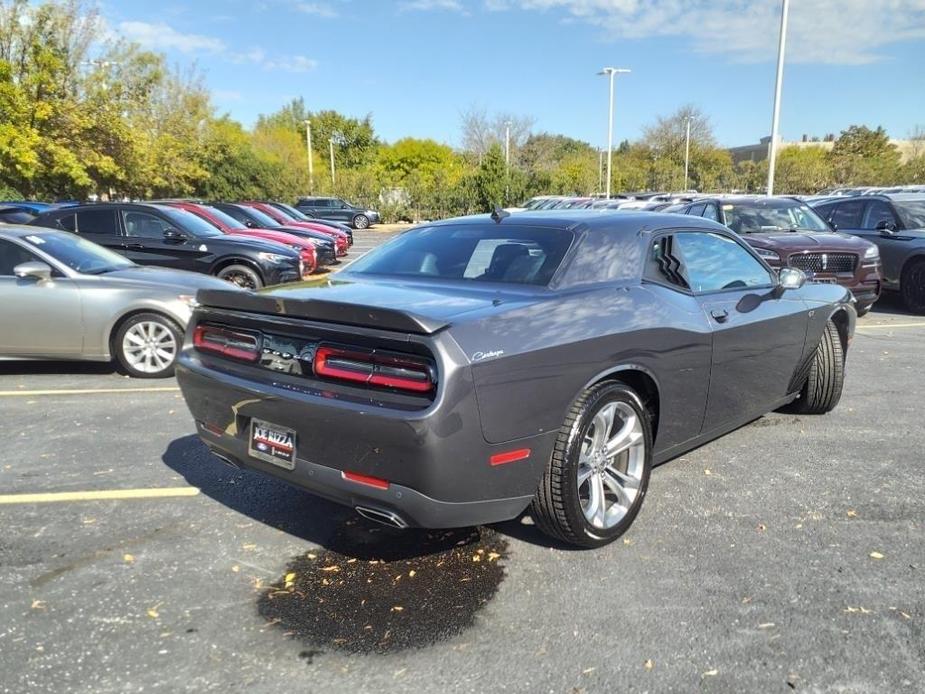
[250, 224]
[33, 269]
[791, 278]
[885, 226]
[174, 236]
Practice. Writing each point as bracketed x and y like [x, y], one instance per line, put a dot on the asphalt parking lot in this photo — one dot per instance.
[789, 555]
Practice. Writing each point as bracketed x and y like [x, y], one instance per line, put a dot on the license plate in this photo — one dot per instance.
[824, 280]
[273, 444]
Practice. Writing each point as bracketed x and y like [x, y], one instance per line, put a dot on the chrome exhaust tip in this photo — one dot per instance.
[225, 459]
[385, 517]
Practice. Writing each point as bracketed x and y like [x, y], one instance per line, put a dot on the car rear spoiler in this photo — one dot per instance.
[317, 309]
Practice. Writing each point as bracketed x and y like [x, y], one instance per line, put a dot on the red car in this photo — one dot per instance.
[281, 218]
[229, 226]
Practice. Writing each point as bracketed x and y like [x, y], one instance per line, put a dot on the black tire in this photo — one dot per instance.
[823, 387]
[556, 509]
[241, 275]
[912, 286]
[134, 362]
[361, 221]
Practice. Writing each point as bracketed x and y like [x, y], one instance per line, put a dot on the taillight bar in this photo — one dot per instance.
[226, 342]
[373, 368]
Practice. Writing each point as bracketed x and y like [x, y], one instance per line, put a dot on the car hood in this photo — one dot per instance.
[164, 277]
[799, 241]
[378, 303]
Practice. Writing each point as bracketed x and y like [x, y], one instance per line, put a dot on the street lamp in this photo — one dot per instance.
[612, 72]
[600, 171]
[507, 144]
[311, 164]
[775, 119]
[687, 152]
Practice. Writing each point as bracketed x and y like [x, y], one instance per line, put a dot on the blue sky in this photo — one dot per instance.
[416, 65]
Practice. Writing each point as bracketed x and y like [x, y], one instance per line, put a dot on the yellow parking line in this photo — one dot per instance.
[98, 495]
[86, 391]
[886, 326]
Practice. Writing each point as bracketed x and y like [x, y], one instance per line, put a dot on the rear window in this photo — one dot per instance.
[473, 252]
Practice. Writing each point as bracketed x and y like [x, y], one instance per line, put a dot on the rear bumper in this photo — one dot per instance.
[436, 461]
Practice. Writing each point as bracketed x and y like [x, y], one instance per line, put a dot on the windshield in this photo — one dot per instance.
[16, 217]
[78, 253]
[912, 212]
[478, 252]
[751, 218]
[225, 219]
[189, 222]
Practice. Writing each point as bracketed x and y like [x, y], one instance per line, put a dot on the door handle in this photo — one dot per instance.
[719, 315]
[137, 246]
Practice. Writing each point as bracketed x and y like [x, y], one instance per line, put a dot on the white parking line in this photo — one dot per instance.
[86, 391]
[888, 326]
[98, 495]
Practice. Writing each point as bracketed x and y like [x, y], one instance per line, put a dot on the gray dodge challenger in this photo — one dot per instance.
[469, 369]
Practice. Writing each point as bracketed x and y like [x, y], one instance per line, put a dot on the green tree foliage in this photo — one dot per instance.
[802, 169]
[861, 156]
[491, 180]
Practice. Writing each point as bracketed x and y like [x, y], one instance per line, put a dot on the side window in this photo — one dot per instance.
[66, 222]
[696, 210]
[847, 215]
[713, 262]
[878, 211]
[235, 213]
[97, 222]
[711, 212]
[825, 211]
[144, 225]
[11, 255]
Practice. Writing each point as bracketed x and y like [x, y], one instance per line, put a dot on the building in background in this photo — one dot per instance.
[758, 152]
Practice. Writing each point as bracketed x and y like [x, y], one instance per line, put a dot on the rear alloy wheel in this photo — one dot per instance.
[912, 286]
[598, 474]
[241, 275]
[361, 221]
[823, 386]
[147, 345]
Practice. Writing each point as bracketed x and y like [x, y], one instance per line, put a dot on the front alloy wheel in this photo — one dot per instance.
[598, 474]
[361, 221]
[147, 345]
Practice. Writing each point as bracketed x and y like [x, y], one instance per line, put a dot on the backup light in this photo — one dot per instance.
[225, 342]
[373, 368]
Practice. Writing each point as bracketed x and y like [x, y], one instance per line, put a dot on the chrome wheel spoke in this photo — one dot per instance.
[623, 496]
[628, 435]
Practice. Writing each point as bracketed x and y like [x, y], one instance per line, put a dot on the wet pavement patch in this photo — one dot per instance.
[376, 590]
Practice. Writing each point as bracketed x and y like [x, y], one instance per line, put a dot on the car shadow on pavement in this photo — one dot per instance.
[58, 368]
[890, 304]
[307, 516]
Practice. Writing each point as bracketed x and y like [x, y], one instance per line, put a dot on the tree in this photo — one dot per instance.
[480, 131]
[802, 170]
[861, 156]
[546, 152]
[490, 180]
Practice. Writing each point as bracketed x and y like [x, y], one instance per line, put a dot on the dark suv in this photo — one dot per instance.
[170, 237]
[896, 223]
[786, 232]
[338, 211]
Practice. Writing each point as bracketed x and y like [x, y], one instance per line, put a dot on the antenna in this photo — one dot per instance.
[498, 214]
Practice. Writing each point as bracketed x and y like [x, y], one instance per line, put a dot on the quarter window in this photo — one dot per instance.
[711, 212]
[713, 262]
[696, 210]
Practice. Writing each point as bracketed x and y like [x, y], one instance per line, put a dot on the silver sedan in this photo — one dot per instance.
[63, 297]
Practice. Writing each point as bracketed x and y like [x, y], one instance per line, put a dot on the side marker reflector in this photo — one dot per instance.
[509, 456]
[365, 479]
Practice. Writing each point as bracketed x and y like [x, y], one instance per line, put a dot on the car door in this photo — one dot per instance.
[758, 332]
[100, 226]
[39, 318]
[893, 244]
[324, 208]
[147, 242]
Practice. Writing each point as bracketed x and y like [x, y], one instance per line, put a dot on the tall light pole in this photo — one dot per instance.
[311, 164]
[507, 144]
[687, 152]
[612, 72]
[775, 119]
[331, 144]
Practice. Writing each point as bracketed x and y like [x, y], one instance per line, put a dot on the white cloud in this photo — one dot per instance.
[319, 9]
[162, 36]
[427, 5]
[289, 63]
[821, 31]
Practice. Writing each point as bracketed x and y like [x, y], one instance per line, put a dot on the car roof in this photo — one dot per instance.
[621, 221]
[70, 209]
[18, 231]
[751, 200]
[895, 197]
